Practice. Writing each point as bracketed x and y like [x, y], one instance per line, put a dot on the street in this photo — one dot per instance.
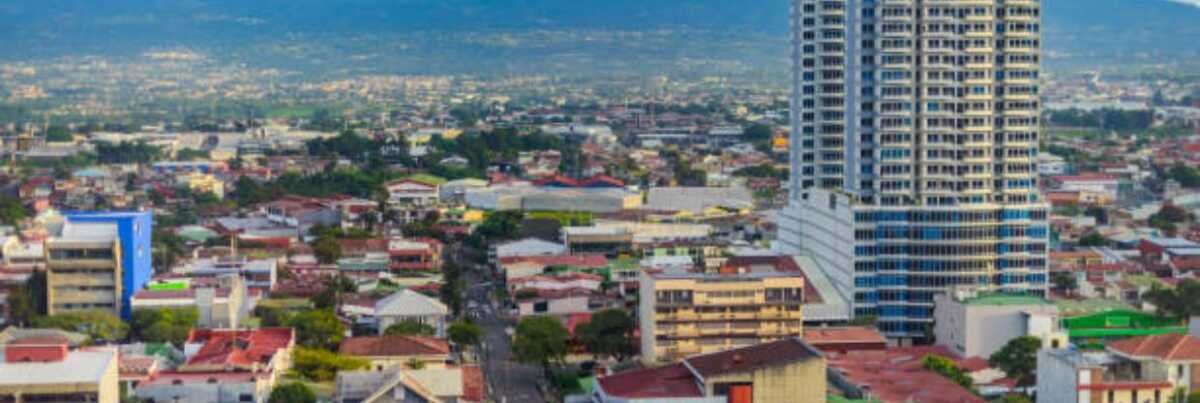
[509, 381]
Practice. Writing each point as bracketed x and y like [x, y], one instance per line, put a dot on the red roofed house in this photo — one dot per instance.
[896, 375]
[225, 365]
[787, 370]
[1176, 355]
[414, 254]
[844, 339]
[387, 351]
[1097, 376]
[598, 181]
[1100, 188]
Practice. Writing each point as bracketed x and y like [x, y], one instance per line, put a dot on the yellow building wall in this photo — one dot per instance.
[800, 382]
[1126, 396]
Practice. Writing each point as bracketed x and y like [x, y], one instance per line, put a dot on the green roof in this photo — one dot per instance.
[1005, 299]
[427, 178]
[1069, 307]
[1121, 323]
[168, 286]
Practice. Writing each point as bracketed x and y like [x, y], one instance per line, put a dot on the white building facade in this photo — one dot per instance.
[914, 140]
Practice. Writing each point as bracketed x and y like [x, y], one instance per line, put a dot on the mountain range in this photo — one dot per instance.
[1076, 31]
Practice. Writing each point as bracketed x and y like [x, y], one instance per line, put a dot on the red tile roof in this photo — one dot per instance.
[236, 348]
[763, 355]
[1167, 347]
[381, 346]
[674, 381]
[866, 336]
[896, 375]
[473, 384]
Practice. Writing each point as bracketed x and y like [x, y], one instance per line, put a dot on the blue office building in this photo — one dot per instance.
[134, 229]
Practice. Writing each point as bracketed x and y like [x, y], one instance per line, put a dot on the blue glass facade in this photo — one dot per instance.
[903, 258]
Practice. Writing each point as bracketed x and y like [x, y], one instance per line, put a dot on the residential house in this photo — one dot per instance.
[398, 384]
[388, 350]
[1175, 355]
[424, 255]
[402, 306]
[1080, 376]
[786, 370]
[225, 366]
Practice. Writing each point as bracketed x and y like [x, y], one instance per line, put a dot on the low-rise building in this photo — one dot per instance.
[787, 370]
[977, 325]
[260, 274]
[403, 306]
[1075, 376]
[894, 375]
[227, 365]
[44, 369]
[388, 351]
[414, 254]
[398, 384]
[225, 303]
[1175, 355]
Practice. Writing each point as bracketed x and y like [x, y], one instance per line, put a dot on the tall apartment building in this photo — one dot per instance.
[687, 313]
[97, 261]
[914, 141]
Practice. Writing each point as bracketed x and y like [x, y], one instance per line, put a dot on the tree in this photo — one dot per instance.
[1183, 301]
[168, 325]
[947, 368]
[59, 134]
[1168, 218]
[318, 328]
[608, 334]
[758, 133]
[331, 297]
[292, 392]
[1064, 282]
[319, 365]
[464, 333]
[1092, 239]
[97, 324]
[327, 250]
[1018, 359]
[540, 340]
[191, 154]
[28, 302]
[12, 212]
[410, 328]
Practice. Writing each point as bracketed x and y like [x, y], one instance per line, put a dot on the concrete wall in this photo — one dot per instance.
[1056, 381]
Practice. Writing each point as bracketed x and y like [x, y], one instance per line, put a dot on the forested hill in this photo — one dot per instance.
[47, 28]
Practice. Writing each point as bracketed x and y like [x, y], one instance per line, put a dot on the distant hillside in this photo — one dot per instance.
[49, 28]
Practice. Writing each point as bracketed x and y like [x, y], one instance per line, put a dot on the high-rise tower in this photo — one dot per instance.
[915, 128]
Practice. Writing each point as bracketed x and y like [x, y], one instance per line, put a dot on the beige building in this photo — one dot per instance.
[33, 372]
[83, 269]
[688, 313]
[977, 325]
[787, 370]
